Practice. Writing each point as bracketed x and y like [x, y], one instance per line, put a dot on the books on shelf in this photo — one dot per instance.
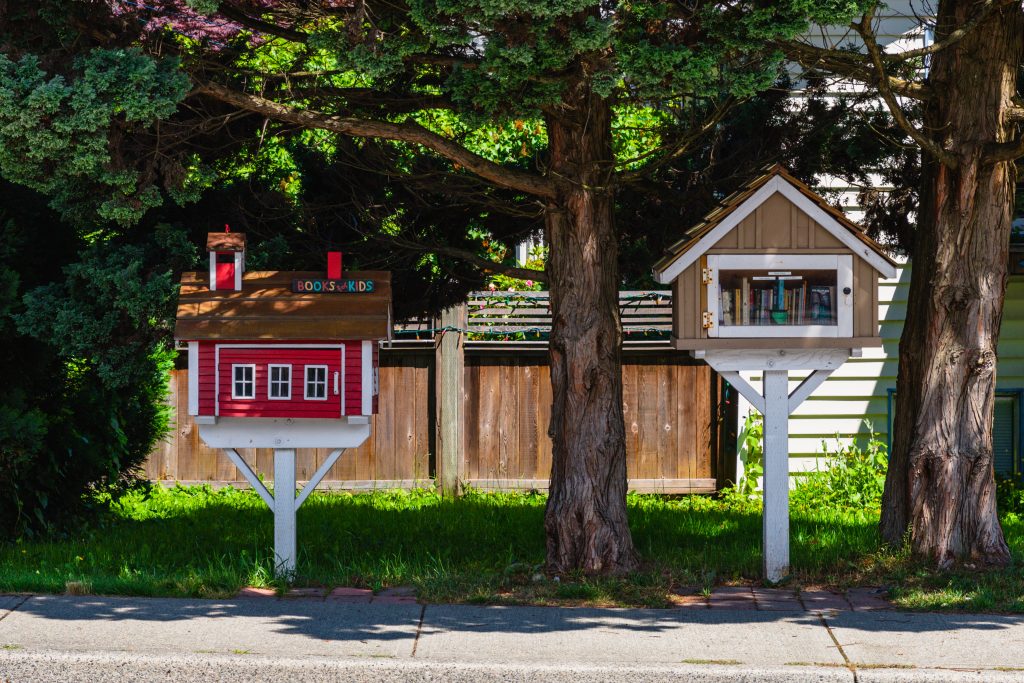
[762, 301]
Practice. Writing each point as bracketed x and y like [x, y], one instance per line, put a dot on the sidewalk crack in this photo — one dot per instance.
[13, 609]
[419, 629]
[849, 665]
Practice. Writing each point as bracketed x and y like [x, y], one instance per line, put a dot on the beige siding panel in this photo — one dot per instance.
[776, 226]
[825, 240]
[864, 312]
[731, 240]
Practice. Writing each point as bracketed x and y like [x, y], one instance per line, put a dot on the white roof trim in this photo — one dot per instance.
[816, 213]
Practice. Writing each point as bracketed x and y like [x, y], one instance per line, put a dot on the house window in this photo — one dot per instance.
[280, 382]
[771, 295]
[316, 382]
[1006, 430]
[243, 381]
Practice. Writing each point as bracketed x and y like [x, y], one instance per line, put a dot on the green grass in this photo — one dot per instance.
[481, 548]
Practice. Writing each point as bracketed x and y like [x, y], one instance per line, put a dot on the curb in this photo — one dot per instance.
[42, 665]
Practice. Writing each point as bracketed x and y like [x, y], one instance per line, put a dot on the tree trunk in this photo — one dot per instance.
[941, 483]
[585, 520]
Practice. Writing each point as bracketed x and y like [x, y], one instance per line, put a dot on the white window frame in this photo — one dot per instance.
[234, 381]
[306, 382]
[270, 381]
[841, 263]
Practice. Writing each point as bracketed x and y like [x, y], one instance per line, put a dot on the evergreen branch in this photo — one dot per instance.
[885, 90]
[407, 131]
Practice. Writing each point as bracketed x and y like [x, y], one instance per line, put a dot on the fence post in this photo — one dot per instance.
[449, 358]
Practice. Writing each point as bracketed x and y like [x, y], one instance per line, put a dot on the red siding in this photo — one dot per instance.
[207, 382]
[297, 405]
[350, 381]
[354, 378]
[376, 373]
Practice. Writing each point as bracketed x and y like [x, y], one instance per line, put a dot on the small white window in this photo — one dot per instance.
[243, 381]
[316, 382]
[280, 382]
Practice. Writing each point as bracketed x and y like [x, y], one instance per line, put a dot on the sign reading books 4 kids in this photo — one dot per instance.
[333, 286]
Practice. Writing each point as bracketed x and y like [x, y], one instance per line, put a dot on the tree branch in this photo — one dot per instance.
[239, 17]
[468, 256]
[851, 65]
[408, 131]
[681, 146]
[954, 36]
[874, 52]
[1004, 151]
[368, 98]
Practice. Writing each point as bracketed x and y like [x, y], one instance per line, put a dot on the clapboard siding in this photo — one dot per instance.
[859, 389]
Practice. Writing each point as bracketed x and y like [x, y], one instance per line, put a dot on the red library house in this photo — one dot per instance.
[281, 360]
[274, 344]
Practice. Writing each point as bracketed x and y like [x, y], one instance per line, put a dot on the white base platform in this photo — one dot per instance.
[270, 432]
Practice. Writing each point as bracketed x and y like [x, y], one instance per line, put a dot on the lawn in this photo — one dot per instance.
[478, 548]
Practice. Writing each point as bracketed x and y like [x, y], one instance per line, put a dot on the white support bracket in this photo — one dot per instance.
[776, 404]
[250, 476]
[752, 395]
[806, 388]
[283, 501]
[320, 473]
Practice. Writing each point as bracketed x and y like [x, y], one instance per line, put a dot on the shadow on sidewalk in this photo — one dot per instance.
[325, 620]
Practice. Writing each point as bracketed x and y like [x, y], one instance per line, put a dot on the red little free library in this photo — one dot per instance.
[276, 344]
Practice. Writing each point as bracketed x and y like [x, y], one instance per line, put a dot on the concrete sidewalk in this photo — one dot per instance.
[66, 638]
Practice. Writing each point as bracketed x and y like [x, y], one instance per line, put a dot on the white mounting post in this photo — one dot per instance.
[284, 511]
[283, 502]
[776, 405]
[775, 524]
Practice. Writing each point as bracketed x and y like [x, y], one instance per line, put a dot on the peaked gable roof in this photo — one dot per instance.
[743, 202]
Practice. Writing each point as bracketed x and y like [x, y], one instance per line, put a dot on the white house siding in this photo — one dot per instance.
[860, 388]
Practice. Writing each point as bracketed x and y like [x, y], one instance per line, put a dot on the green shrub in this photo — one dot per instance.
[745, 492]
[853, 480]
[1010, 493]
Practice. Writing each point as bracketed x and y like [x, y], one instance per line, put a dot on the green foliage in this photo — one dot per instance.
[1010, 494]
[85, 361]
[853, 479]
[55, 132]
[745, 494]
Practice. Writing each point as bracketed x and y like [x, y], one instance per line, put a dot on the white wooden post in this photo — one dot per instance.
[776, 475]
[284, 510]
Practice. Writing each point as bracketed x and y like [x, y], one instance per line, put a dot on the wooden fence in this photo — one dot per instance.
[495, 416]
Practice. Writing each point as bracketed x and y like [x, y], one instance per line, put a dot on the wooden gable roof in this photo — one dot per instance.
[266, 308]
[741, 203]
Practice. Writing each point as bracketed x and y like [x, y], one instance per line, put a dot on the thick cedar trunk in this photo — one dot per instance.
[941, 484]
[585, 519]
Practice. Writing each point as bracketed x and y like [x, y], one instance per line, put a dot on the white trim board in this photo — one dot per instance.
[787, 190]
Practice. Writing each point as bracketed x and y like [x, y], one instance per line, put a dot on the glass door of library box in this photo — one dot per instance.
[779, 295]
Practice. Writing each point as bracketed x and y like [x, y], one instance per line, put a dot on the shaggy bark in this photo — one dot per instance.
[941, 483]
[586, 511]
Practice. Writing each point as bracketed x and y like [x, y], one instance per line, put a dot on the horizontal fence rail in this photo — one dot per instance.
[523, 320]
